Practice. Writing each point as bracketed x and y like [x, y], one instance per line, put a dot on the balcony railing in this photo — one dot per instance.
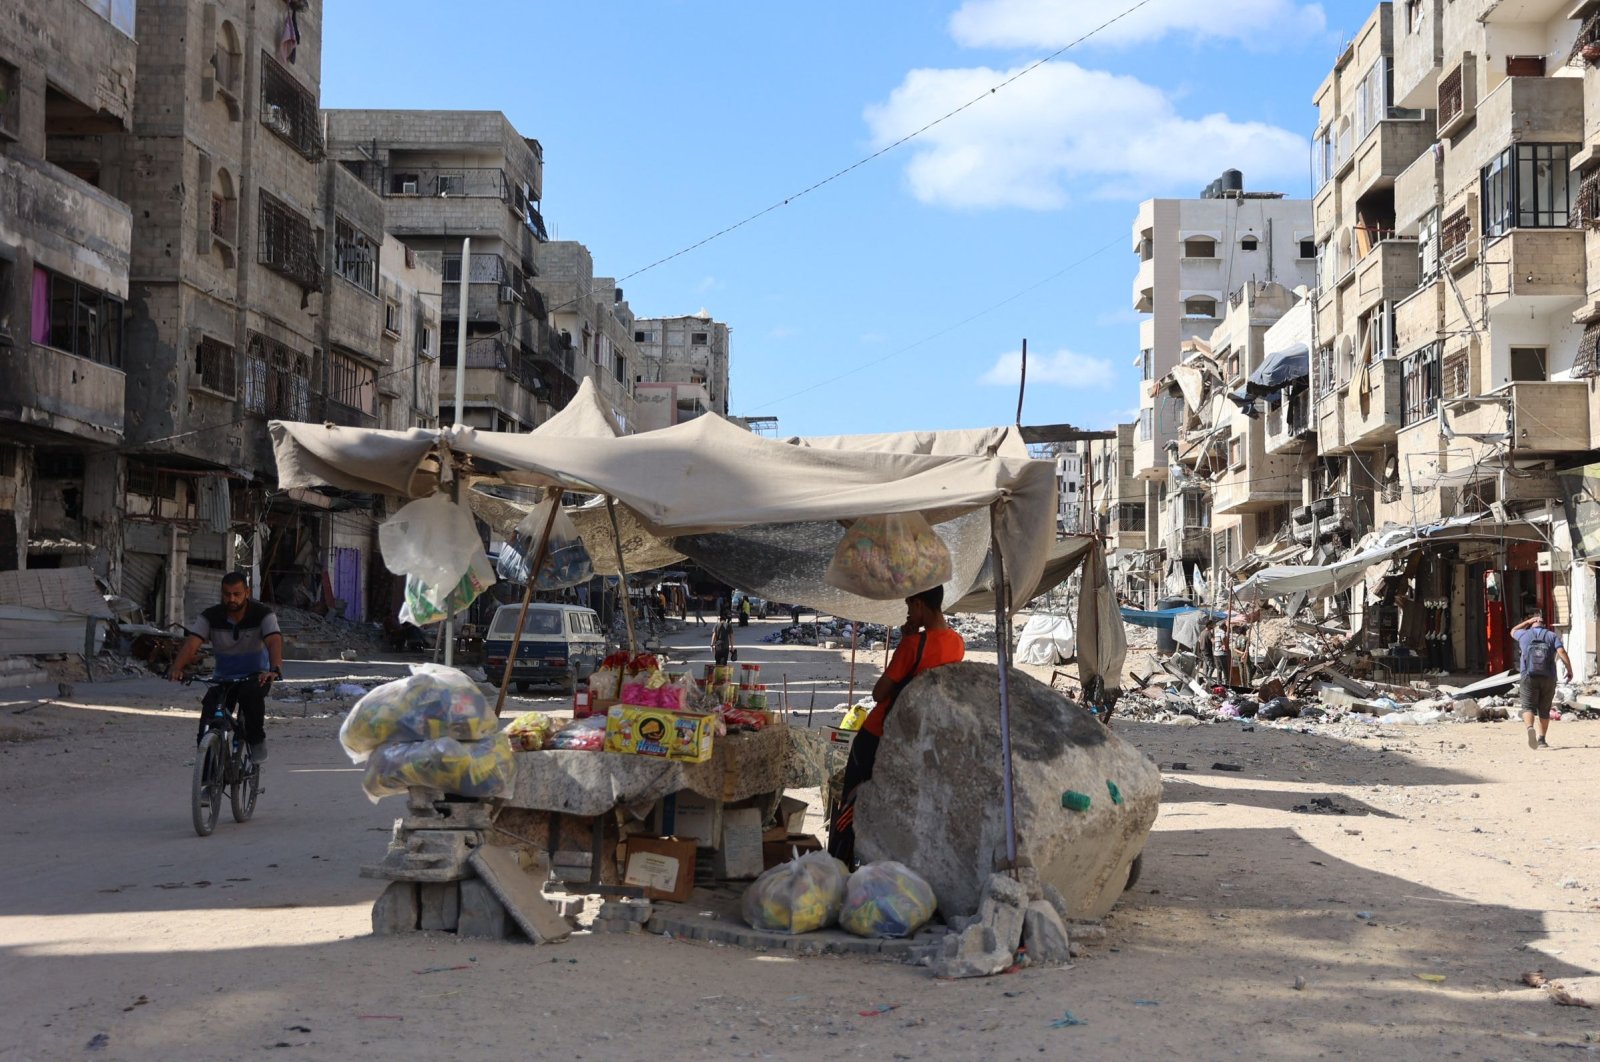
[345, 415]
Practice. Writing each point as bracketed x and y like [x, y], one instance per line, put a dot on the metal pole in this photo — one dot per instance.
[461, 329]
[1022, 387]
[1003, 646]
[527, 596]
[622, 575]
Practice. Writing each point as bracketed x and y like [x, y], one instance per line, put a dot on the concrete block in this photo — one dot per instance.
[481, 912]
[440, 906]
[975, 952]
[1052, 895]
[1044, 935]
[1003, 909]
[397, 910]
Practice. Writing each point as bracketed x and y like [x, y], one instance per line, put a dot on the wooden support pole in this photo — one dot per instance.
[622, 575]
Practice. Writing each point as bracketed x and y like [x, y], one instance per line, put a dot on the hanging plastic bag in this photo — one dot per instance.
[425, 604]
[433, 539]
[798, 896]
[887, 557]
[886, 899]
[432, 702]
[566, 562]
[480, 769]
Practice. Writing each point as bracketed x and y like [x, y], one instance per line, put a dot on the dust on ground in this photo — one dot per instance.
[1431, 867]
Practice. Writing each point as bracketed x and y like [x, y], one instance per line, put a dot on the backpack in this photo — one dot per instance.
[1538, 657]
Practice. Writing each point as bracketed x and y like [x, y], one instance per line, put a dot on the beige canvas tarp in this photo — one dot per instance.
[716, 492]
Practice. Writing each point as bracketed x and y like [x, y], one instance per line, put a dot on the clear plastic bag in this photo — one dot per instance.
[893, 556]
[798, 896]
[886, 899]
[480, 769]
[566, 562]
[529, 731]
[432, 702]
[425, 604]
[433, 539]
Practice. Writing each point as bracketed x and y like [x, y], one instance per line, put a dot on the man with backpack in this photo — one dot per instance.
[1541, 648]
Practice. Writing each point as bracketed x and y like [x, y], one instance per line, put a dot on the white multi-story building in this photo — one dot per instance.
[1069, 485]
[1195, 256]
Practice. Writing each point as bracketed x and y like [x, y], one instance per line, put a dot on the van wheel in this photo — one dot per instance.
[522, 687]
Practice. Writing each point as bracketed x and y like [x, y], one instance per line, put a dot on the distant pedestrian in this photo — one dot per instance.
[744, 611]
[722, 640]
[1541, 649]
[699, 611]
[794, 611]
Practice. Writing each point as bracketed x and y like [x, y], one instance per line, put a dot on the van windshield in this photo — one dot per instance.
[540, 622]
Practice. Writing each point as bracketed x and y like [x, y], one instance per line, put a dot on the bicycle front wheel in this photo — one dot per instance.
[210, 771]
[245, 790]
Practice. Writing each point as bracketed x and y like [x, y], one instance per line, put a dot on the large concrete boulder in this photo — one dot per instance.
[935, 799]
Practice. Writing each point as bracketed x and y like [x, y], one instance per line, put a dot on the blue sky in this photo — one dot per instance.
[859, 306]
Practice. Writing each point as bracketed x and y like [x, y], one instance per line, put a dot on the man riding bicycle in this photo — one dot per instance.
[245, 637]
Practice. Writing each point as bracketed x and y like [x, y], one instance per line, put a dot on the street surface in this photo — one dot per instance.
[1462, 861]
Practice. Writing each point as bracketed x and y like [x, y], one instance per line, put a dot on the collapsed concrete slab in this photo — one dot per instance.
[1085, 799]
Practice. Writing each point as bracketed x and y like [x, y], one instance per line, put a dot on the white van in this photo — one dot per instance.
[561, 645]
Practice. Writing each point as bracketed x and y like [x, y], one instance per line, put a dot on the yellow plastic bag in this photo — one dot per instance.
[798, 896]
[432, 702]
[887, 557]
[480, 769]
[529, 731]
[886, 899]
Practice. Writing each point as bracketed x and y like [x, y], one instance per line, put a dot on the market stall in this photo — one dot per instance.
[767, 517]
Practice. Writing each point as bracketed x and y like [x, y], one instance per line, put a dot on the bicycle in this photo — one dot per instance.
[222, 762]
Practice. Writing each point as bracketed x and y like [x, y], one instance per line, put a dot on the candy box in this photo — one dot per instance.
[637, 731]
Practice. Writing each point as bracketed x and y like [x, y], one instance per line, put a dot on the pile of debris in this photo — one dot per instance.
[869, 636]
[308, 636]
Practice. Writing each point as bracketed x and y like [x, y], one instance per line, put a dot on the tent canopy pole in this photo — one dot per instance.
[622, 574]
[1002, 611]
[554, 497]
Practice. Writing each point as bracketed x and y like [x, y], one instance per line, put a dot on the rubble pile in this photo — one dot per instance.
[308, 636]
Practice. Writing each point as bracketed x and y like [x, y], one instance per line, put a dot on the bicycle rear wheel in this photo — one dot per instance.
[246, 789]
[209, 775]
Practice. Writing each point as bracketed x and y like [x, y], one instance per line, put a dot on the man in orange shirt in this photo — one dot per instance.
[926, 641]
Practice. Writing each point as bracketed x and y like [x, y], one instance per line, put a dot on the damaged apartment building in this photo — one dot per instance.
[179, 264]
[1416, 429]
[683, 369]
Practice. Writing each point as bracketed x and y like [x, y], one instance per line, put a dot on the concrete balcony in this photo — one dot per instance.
[1419, 317]
[1144, 287]
[1242, 491]
[1389, 271]
[1536, 416]
[1535, 269]
[1386, 153]
[1372, 413]
[1527, 110]
[49, 393]
[1327, 420]
[1290, 428]
[1416, 192]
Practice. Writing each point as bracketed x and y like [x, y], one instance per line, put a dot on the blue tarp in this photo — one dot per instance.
[1161, 620]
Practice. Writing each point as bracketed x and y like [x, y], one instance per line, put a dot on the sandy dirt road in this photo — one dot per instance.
[1462, 856]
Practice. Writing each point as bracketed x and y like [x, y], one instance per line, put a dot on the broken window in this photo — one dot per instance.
[355, 257]
[697, 339]
[289, 109]
[391, 317]
[1249, 243]
[1420, 384]
[76, 318]
[1454, 373]
[1308, 248]
[215, 366]
[1529, 363]
[352, 383]
[285, 243]
[1200, 306]
[1200, 247]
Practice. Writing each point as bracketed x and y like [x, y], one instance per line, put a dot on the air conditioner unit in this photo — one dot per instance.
[509, 294]
[408, 187]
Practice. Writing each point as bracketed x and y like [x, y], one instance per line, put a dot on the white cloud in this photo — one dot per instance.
[1062, 123]
[1056, 23]
[1064, 368]
[708, 283]
[783, 331]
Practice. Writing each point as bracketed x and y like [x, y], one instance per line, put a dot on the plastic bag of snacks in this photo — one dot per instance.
[427, 603]
[529, 731]
[642, 662]
[432, 702]
[744, 717]
[798, 896]
[644, 695]
[886, 899]
[566, 562]
[586, 735]
[606, 680]
[885, 557]
[479, 769]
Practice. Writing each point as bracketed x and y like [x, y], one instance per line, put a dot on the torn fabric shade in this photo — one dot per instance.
[1279, 369]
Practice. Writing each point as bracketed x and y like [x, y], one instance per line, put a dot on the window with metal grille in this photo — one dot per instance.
[1586, 208]
[1420, 384]
[1455, 235]
[355, 257]
[1587, 363]
[215, 367]
[1451, 97]
[285, 243]
[1454, 375]
[352, 383]
[277, 379]
[1528, 186]
[289, 109]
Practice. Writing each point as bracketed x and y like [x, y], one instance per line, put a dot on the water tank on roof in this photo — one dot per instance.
[1232, 181]
[1210, 191]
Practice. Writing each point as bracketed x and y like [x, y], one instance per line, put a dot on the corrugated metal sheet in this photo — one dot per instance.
[203, 590]
[143, 537]
[142, 579]
[25, 631]
[70, 590]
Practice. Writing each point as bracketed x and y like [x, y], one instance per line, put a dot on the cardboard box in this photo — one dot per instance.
[774, 853]
[592, 705]
[696, 816]
[659, 732]
[792, 815]
[740, 856]
[662, 866]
